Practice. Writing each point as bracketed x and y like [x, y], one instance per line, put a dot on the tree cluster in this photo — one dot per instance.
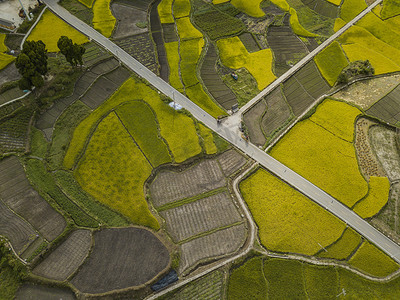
[72, 51]
[8, 260]
[355, 69]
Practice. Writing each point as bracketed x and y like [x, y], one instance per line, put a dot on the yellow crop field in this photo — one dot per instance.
[337, 117]
[177, 129]
[234, 55]
[50, 28]
[336, 2]
[190, 51]
[390, 8]
[381, 63]
[373, 261]
[165, 11]
[286, 219]
[5, 60]
[331, 61]
[339, 23]
[3, 47]
[250, 7]
[323, 158]
[114, 171]
[343, 247]
[282, 4]
[219, 1]
[186, 30]
[197, 94]
[351, 8]
[376, 199]
[87, 3]
[103, 19]
[297, 27]
[181, 8]
[173, 58]
[208, 139]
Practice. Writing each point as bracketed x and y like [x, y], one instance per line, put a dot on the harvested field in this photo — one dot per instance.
[33, 292]
[170, 186]
[249, 42]
[67, 257]
[231, 161]
[14, 132]
[287, 47]
[156, 31]
[140, 47]
[9, 73]
[18, 194]
[169, 32]
[387, 108]
[384, 144]
[139, 4]
[121, 258]
[127, 19]
[104, 87]
[278, 112]
[213, 82]
[200, 216]
[20, 233]
[222, 242]
[304, 87]
[252, 119]
[323, 7]
[47, 120]
[364, 93]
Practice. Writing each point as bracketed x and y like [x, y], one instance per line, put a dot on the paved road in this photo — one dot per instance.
[229, 132]
[305, 60]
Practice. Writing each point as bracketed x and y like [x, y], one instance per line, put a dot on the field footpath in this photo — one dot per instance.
[230, 133]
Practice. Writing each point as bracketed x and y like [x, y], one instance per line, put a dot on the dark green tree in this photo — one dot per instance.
[73, 52]
[32, 64]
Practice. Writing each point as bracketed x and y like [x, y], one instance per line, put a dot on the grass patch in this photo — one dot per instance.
[140, 122]
[181, 8]
[46, 185]
[343, 247]
[390, 8]
[113, 170]
[371, 260]
[173, 58]
[376, 199]
[351, 8]
[71, 188]
[234, 55]
[250, 7]
[197, 94]
[220, 143]
[285, 279]
[103, 19]
[38, 143]
[87, 3]
[10, 282]
[50, 28]
[316, 149]
[331, 61]
[5, 60]
[321, 282]
[208, 139]
[248, 281]
[165, 11]
[186, 30]
[297, 27]
[295, 224]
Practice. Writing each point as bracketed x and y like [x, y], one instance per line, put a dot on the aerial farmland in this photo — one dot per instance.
[199, 149]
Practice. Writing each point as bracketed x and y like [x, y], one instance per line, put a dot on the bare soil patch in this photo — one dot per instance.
[34, 292]
[156, 31]
[127, 18]
[169, 32]
[18, 194]
[220, 243]
[231, 161]
[252, 119]
[366, 92]
[67, 257]
[200, 216]
[170, 186]
[121, 258]
[9, 73]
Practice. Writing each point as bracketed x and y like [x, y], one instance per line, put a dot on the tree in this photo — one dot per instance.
[32, 64]
[73, 52]
[356, 69]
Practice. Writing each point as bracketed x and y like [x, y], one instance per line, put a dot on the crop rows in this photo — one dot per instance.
[387, 108]
[10, 95]
[213, 82]
[140, 4]
[252, 119]
[8, 109]
[169, 32]
[14, 132]
[323, 7]
[34, 291]
[67, 257]
[230, 161]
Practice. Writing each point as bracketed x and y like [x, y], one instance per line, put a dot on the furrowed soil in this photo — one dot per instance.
[67, 257]
[252, 119]
[121, 258]
[18, 194]
[387, 108]
[230, 161]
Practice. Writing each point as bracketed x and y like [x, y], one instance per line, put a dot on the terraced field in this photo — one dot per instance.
[121, 258]
[323, 7]
[67, 257]
[387, 108]
[18, 194]
[10, 94]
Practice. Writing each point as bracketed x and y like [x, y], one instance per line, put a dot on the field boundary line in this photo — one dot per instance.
[16, 99]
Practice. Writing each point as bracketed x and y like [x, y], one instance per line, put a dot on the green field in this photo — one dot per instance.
[181, 8]
[297, 27]
[321, 282]
[103, 19]
[351, 8]
[250, 7]
[390, 8]
[208, 139]
[173, 57]
[287, 220]
[331, 61]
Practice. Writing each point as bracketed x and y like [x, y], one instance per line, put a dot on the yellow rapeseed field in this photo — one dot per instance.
[234, 55]
[50, 28]
[173, 58]
[3, 47]
[186, 30]
[181, 8]
[5, 60]
[288, 221]
[250, 7]
[103, 19]
[297, 27]
[343, 247]
[165, 11]
[208, 139]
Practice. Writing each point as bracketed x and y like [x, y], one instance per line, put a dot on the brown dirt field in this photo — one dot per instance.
[252, 120]
[170, 186]
[127, 17]
[367, 160]
[200, 216]
[36, 292]
[366, 92]
[9, 73]
[121, 258]
[18, 194]
[231, 161]
[67, 257]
